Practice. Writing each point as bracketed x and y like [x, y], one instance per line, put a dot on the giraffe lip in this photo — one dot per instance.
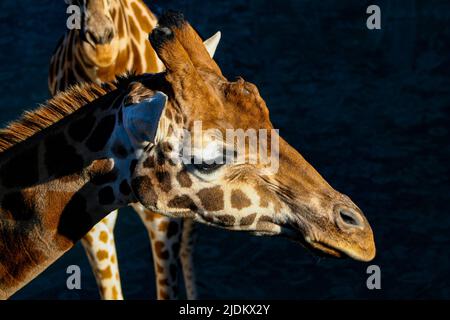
[325, 249]
[318, 248]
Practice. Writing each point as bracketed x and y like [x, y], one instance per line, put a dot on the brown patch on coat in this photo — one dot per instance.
[183, 179]
[115, 294]
[263, 223]
[248, 220]
[164, 180]
[212, 199]
[106, 273]
[182, 202]
[160, 252]
[239, 200]
[102, 255]
[163, 226]
[227, 220]
[104, 237]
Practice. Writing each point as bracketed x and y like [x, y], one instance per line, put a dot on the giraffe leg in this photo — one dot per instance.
[101, 251]
[165, 237]
[187, 256]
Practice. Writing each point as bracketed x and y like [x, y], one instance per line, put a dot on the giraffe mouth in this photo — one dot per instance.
[323, 248]
[317, 247]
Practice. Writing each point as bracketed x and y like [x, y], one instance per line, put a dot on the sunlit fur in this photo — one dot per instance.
[295, 202]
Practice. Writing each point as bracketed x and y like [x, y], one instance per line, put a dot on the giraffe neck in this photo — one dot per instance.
[133, 22]
[57, 184]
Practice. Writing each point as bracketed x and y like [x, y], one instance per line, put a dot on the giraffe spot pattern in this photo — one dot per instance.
[80, 129]
[75, 222]
[160, 252]
[124, 188]
[106, 195]
[89, 238]
[183, 179]
[163, 295]
[104, 237]
[172, 229]
[115, 294]
[183, 202]
[160, 157]
[15, 204]
[263, 222]
[106, 273]
[163, 226]
[248, 220]
[149, 162]
[144, 187]
[61, 158]
[168, 114]
[119, 151]
[101, 134]
[164, 180]
[239, 200]
[212, 199]
[104, 178]
[27, 164]
[226, 220]
[170, 131]
[102, 255]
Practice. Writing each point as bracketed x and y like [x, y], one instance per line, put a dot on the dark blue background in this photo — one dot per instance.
[369, 109]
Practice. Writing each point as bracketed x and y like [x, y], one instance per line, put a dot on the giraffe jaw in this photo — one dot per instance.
[320, 248]
[324, 247]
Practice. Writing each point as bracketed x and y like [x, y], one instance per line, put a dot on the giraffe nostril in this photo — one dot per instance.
[109, 35]
[350, 219]
[91, 37]
[95, 38]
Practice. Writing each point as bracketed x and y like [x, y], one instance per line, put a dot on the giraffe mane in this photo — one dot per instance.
[55, 109]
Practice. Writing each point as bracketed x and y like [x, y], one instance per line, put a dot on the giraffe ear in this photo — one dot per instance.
[212, 43]
[141, 119]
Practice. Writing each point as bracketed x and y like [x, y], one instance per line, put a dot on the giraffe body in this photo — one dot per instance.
[60, 175]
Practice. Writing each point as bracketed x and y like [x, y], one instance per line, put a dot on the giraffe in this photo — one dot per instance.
[113, 40]
[124, 143]
[293, 201]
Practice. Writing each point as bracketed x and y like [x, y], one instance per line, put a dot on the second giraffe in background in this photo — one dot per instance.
[113, 40]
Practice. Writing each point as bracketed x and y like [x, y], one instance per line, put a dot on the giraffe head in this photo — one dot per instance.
[99, 37]
[208, 178]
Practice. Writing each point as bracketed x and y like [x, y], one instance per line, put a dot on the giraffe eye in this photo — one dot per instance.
[207, 167]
